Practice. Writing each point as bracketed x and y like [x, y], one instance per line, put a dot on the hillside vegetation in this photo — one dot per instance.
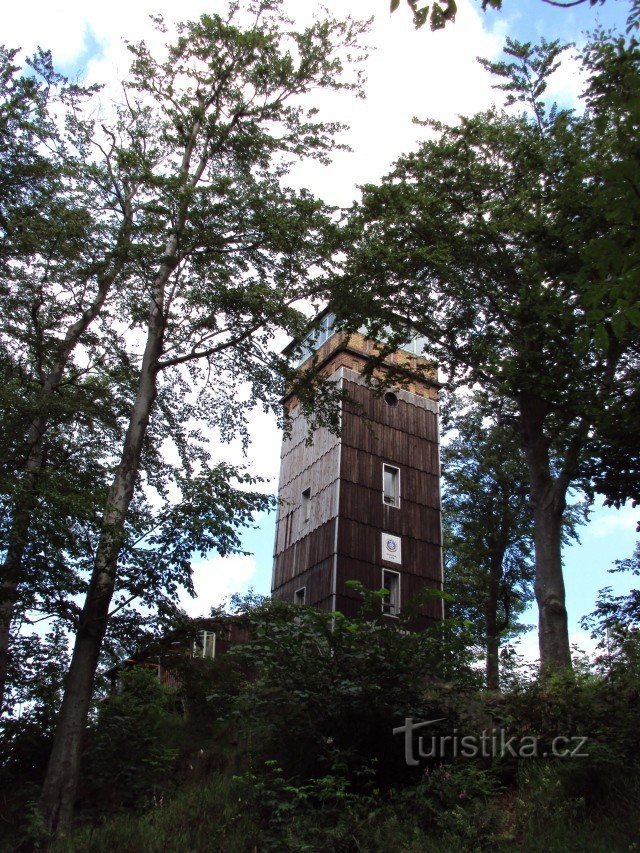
[287, 743]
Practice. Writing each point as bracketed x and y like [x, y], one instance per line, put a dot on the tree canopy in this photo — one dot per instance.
[487, 528]
[150, 252]
[480, 241]
[220, 253]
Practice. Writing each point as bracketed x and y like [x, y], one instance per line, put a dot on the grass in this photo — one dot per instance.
[199, 817]
[211, 816]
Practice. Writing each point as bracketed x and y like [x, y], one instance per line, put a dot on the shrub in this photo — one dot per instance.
[323, 692]
[128, 759]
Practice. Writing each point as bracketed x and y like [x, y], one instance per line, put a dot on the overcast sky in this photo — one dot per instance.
[409, 74]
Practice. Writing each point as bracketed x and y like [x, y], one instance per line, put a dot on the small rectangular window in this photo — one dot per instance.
[300, 595]
[306, 505]
[391, 601]
[391, 485]
[205, 645]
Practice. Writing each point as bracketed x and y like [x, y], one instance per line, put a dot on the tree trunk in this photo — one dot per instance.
[493, 661]
[61, 780]
[59, 790]
[548, 496]
[553, 631]
[492, 634]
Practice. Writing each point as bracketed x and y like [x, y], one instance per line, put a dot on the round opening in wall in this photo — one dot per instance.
[391, 399]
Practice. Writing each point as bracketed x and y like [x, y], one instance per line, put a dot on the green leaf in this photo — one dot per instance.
[619, 325]
[633, 316]
[601, 338]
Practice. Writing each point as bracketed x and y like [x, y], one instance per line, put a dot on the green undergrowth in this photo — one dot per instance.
[296, 741]
[268, 813]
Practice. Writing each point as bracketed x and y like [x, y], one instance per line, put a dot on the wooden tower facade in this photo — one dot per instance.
[364, 505]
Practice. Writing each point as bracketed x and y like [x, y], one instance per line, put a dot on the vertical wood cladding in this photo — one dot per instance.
[304, 548]
[405, 436]
[342, 539]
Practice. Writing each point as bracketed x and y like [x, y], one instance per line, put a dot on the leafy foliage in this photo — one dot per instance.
[478, 239]
[129, 761]
[615, 623]
[487, 527]
[220, 253]
[340, 795]
[62, 252]
[36, 678]
[614, 253]
[323, 692]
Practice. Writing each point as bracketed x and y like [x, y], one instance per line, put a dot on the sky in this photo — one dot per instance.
[409, 74]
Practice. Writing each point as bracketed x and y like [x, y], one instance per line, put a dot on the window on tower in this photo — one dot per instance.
[314, 340]
[391, 485]
[325, 330]
[306, 505]
[300, 595]
[391, 601]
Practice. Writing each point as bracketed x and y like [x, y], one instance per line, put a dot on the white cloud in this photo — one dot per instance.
[63, 26]
[409, 73]
[428, 75]
[60, 27]
[624, 519]
[527, 644]
[568, 82]
[263, 456]
[215, 579]
[584, 642]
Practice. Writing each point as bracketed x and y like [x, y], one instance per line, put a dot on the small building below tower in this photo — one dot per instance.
[363, 505]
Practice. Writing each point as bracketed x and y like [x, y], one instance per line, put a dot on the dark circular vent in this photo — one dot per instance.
[391, 399]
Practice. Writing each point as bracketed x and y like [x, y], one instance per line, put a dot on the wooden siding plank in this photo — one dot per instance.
[344, 475]
[316, 579]
[309, 551]
[360, 541]
[370, 576]
[365, 469]
[322, 480]
[350, 607]
[361, 504]
[391, 444]
[405, 416]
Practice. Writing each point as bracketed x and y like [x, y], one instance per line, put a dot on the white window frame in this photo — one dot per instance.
[317, 337]
[300, 599]
[391, 607]
[416, 345]
[325, 330]
[395, 499]
[200, 645]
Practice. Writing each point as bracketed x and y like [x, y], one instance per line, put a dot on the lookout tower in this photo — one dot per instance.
[364, 505]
